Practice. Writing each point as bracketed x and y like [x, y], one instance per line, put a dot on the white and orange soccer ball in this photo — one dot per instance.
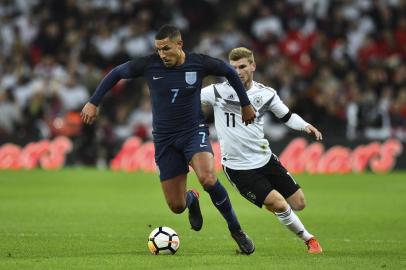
[163, 241]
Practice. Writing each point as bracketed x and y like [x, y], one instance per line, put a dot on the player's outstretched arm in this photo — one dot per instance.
[89, 113]
[310, 129]
[128, 70]
[294, 121]
[120, 72]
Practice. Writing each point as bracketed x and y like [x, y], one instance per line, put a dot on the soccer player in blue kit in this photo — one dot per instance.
[180, 134]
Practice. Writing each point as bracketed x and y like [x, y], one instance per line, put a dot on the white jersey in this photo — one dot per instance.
[242, 147]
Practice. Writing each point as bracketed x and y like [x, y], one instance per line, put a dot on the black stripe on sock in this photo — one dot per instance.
[284, 214]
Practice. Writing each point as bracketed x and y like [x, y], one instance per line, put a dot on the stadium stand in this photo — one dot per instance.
[339, 64]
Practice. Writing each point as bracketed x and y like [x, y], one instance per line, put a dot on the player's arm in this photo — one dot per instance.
[293, 120]
[219, 68]
[207, 99]
[128, 70]
[207, 96]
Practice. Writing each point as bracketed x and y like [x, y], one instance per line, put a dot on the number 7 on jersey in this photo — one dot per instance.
[175, 94]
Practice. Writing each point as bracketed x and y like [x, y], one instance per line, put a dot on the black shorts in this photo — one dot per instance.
[256, 184]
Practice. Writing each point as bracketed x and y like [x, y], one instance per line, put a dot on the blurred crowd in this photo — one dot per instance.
[339, 64]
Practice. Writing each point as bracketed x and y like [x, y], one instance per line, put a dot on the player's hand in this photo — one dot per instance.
[312, 130]
[89, 113]
[248, 114]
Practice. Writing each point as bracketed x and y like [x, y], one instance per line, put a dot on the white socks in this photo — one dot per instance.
[293, 223]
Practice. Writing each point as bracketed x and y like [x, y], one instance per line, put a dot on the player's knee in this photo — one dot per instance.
[177, 208]
[297, 201]
[277, 206]
[298, 205]
[276, 203]
[207, 179]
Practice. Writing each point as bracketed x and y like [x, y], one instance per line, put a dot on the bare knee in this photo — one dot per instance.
[203, 164]
[298, 205]
[274, 202]
[297, 200]
[277, 207]
[177, 207]
[207, 179]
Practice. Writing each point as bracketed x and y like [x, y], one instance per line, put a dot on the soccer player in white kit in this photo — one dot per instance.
[247, 160]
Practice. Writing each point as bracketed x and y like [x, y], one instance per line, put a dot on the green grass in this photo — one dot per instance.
[89, 219]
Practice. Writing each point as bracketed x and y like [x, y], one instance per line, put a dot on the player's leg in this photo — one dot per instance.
[291, 190]
[297, 200]
[174, 190]
[198, 152]
[256, 186]
[203, 165]
[286, 187]
[173, 169]
[275, 203]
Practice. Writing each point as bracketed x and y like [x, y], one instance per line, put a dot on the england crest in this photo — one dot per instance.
[190, 77]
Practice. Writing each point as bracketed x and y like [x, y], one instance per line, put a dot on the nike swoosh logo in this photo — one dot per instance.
[156, 78]
[203, 145]
[219, 203]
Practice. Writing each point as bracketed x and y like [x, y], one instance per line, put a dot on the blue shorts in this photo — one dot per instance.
[173, 154]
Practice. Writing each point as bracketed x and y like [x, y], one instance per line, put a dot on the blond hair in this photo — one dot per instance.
[239, 53]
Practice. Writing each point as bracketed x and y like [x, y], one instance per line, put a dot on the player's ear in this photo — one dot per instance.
[254, 66]
[180, 43]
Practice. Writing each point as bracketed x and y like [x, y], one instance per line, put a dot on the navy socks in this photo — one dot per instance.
[220, 199]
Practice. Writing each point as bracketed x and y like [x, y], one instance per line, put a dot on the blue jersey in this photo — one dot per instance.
[174, 91]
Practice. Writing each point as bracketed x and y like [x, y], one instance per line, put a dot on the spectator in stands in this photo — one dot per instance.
[361, 43]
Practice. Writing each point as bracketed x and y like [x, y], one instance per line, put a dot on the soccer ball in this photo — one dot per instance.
[163, 241]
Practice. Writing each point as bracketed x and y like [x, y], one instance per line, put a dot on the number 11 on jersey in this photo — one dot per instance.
[232, 116]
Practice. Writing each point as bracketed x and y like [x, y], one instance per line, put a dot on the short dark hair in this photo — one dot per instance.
[167, 30]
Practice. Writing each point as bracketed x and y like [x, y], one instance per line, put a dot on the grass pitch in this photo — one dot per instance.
[89, 219]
